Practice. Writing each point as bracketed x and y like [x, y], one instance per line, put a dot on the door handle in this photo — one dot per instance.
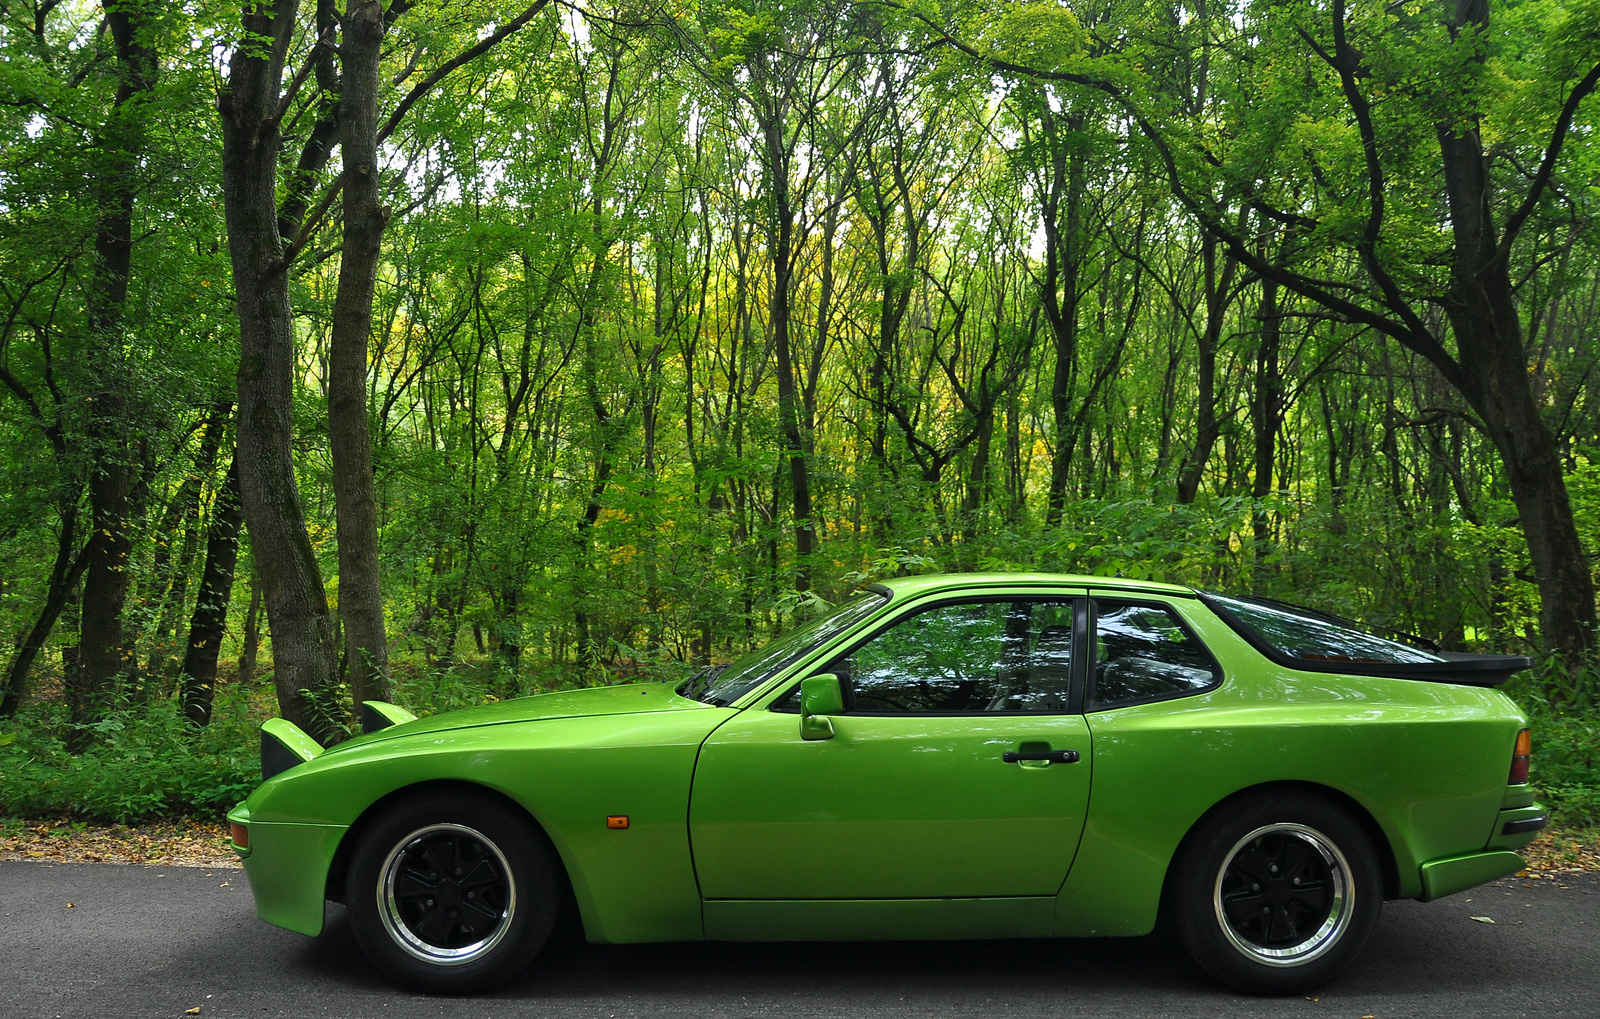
[1052, 756]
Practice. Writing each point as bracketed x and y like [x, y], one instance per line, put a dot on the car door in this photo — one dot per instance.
[913, 796]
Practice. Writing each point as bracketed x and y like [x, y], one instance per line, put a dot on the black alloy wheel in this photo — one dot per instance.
[453, 891]
[1276, 893]
[1283, 895]
[448, 895]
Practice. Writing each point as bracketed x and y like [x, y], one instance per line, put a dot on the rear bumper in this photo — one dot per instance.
[1515, 828]
[1458, 873]
[288, 871]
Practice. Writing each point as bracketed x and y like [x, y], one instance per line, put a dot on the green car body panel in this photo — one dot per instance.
[912, 826]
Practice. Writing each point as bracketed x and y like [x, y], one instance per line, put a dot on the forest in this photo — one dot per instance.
[450, 350]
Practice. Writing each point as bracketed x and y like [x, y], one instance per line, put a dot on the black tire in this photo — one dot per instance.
[452, 891]
[1276, 894]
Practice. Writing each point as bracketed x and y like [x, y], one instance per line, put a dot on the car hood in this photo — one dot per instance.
[626, 699]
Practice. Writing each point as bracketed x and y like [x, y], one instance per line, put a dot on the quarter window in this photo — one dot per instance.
[1143, 653]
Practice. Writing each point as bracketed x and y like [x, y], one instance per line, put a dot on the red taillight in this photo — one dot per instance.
[1519, 760]
[241, 834]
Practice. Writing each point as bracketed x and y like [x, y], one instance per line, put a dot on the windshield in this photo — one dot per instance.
[727, 683]
[1308, 637]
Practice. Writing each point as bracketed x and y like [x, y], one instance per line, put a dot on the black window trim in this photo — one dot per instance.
[1075, 681]
[1457, 668]
[1095, 597]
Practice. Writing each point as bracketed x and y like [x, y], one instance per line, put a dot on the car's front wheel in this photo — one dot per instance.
[1277, 894]
[452, 891]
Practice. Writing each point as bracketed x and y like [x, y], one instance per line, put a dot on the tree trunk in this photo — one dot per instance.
[111, 474]
[1481, 306]
[360, 592]
[210, 618]
[1482, 313]
[250, 640]
[297, 608]
[1207, 427]
[782, 239]
[1063, 270]
[1266, 410]
[63, 578]
[169, 585]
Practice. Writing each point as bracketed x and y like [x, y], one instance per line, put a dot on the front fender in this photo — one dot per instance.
[570, 774]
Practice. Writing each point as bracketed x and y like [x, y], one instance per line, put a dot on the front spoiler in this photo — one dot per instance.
[287, 866]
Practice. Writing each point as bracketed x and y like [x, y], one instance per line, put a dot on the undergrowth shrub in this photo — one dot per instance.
[145, 762]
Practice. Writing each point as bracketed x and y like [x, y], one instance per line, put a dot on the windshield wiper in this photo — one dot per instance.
[697, 685]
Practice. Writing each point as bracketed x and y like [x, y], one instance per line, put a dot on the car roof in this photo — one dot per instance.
[931, 583]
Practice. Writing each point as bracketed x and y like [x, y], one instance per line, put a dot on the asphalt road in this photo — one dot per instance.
[159, 941]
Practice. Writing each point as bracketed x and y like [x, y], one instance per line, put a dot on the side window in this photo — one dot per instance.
[1143, 653]
[968, 657]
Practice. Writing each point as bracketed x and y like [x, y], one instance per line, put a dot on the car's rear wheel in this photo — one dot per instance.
[452, 891]
[1277, 894]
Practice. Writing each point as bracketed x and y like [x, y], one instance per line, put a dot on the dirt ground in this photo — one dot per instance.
[190, 843]
[184, 843]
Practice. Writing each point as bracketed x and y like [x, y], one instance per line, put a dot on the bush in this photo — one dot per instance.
[145, 762]
[1563, 707]
[1566, 766]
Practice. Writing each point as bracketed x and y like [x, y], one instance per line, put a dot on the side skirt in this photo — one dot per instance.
[878, 919]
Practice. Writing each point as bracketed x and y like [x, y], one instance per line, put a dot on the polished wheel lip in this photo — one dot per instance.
[1340, 911]
[394, 923]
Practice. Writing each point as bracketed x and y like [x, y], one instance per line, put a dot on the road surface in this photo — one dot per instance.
[108, 942]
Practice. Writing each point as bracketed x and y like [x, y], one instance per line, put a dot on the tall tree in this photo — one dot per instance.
[1432, 62]
[366, 646]
[252, 105]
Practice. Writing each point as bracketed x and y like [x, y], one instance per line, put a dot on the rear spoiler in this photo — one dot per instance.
[1458, 668]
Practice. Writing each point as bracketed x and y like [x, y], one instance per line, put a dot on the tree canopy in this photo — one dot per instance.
[489, 347]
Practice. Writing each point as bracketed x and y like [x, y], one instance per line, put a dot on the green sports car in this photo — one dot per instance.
[971, 756]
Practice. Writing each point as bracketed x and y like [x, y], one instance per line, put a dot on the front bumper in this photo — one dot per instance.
[287, 866]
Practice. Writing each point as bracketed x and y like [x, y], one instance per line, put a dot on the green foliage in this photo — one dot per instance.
[582, 472]
[146, 762]
[1566, 765]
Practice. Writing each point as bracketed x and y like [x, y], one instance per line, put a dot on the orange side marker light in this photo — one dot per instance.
[618, 821]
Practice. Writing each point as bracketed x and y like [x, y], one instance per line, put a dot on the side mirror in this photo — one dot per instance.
[820, 696]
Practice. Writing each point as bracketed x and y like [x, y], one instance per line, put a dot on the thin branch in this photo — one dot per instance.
[1541, 180]
[308, 227]
[300, 76]
[427, 84]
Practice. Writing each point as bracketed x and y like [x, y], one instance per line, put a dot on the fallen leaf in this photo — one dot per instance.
[1483, 919]
[192, 1011]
